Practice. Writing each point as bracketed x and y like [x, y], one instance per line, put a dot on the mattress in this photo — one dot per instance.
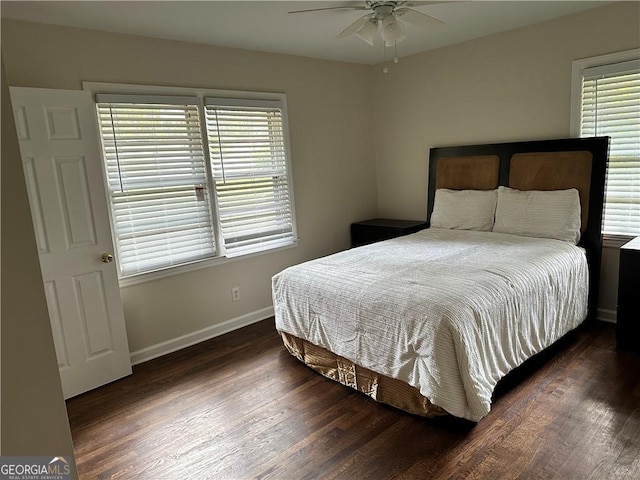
[447, 312]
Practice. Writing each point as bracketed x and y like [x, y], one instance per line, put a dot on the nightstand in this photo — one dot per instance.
[628, 319]
[378, 229]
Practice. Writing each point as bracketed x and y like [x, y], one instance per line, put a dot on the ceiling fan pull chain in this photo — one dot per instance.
[385, 69]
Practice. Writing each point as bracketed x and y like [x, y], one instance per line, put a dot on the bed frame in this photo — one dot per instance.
[538, 165]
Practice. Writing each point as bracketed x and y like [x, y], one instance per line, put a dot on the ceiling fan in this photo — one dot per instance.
[384, 16]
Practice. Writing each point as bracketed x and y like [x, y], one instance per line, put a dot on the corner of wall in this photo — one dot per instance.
[34, 417]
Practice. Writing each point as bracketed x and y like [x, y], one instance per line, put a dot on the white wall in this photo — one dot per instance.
[330, 116]
[510, 86]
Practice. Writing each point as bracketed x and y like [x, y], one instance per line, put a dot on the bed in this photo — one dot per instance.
[430, 322]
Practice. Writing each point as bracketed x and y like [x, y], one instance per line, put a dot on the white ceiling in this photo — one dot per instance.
[266, 25]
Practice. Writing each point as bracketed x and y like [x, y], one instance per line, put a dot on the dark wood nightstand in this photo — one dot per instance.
[628, 319]
[378, 229]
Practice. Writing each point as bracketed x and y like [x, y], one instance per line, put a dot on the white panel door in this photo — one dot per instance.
[61, 158]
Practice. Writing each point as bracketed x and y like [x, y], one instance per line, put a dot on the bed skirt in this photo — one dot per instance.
[381, 388]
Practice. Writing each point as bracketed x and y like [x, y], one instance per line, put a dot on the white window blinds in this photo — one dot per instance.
[249, 161]
[157, 181]
[611, 106]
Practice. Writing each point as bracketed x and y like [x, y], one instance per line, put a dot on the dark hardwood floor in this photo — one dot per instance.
[239, 406]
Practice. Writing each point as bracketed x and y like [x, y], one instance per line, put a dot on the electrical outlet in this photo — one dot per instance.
[235, 294]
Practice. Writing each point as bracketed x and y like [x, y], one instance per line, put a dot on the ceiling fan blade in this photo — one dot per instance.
[330, 8]
[355, 26]
[418, 19]
[409, 3]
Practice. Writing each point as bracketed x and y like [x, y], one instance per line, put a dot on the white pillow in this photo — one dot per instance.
[537, 213]
[464, 209]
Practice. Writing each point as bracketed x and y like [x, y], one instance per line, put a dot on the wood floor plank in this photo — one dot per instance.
[240, 407]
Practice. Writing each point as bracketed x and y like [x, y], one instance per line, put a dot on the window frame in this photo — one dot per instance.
[577, 68]
[217, 162]
[96, 88]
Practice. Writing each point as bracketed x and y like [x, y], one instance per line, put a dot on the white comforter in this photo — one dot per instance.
[449, 312]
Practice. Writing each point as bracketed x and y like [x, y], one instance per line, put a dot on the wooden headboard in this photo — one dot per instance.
[538, 165]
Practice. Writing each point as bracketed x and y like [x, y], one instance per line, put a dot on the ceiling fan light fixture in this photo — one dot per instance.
[392, 30]
[368, 31]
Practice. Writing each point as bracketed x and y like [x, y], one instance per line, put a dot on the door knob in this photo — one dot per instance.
[107, 257]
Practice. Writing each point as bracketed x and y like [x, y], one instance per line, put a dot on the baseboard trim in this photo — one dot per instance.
[184, 341]
[606, 315]
[178, 343]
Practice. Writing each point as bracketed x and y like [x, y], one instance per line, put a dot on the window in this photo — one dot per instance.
[609, 105]
[247, 149]
[194, 178]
